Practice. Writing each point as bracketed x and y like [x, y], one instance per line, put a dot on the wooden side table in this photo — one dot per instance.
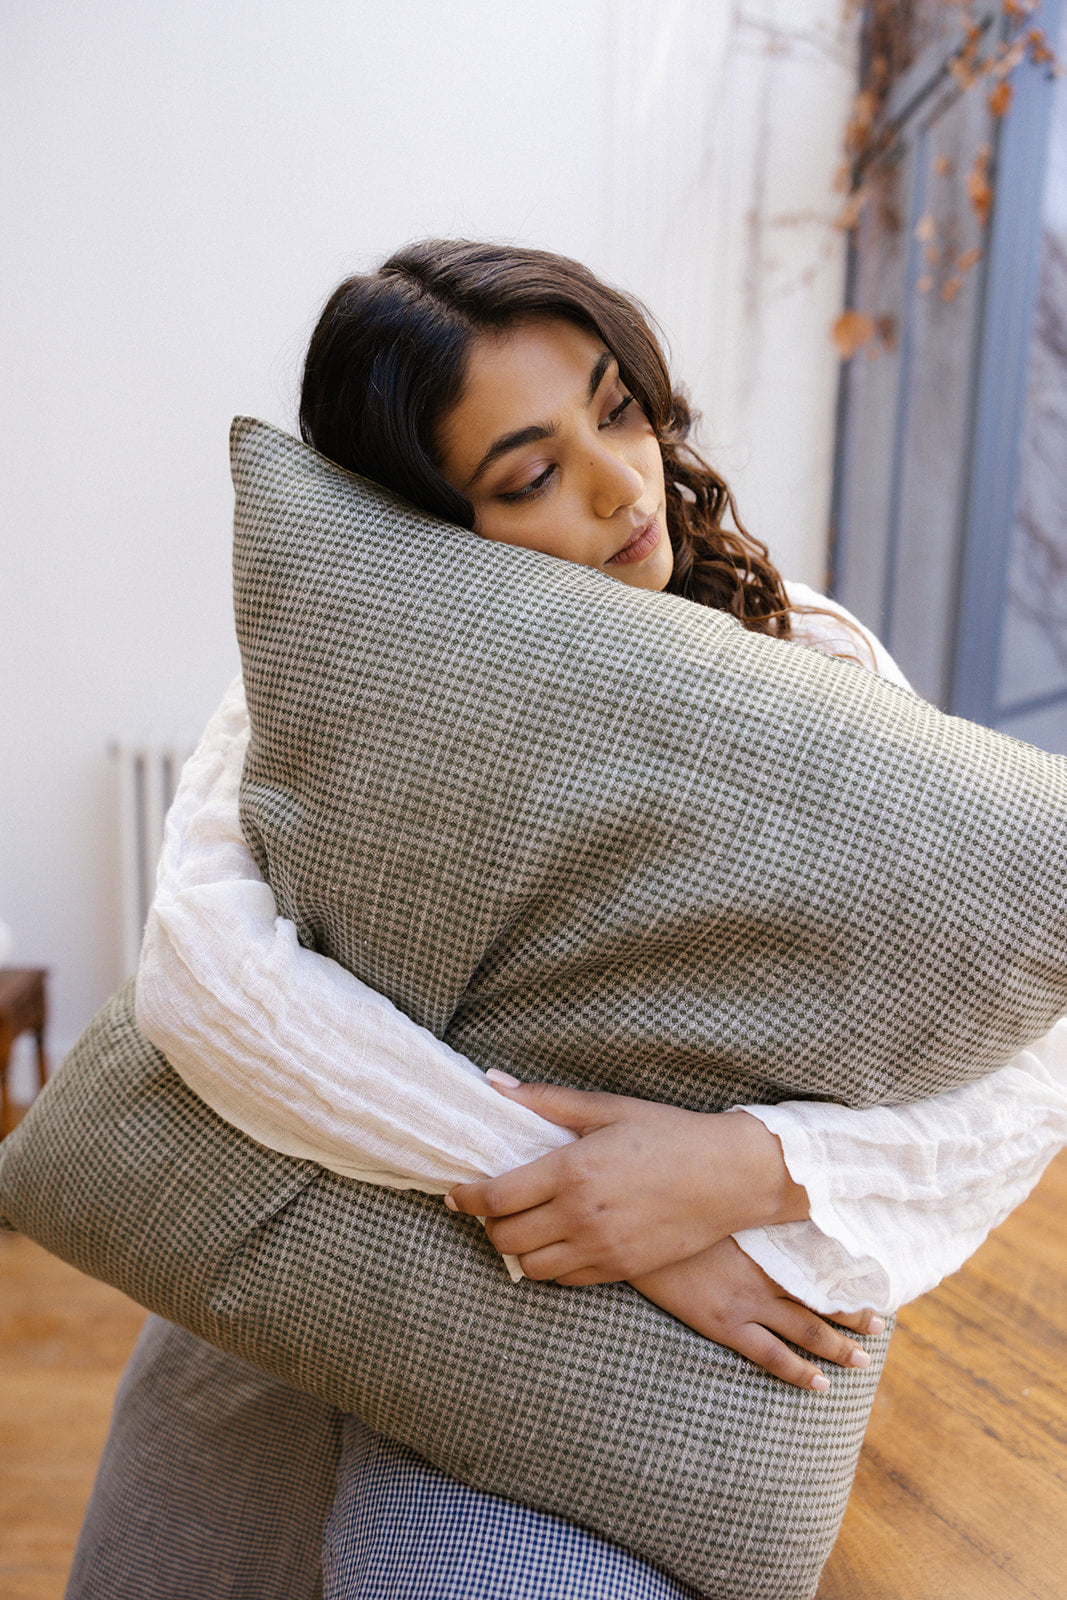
[23, 1009]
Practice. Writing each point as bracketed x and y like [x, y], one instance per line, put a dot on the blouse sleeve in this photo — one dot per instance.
[900, 1196]
[286, 1044]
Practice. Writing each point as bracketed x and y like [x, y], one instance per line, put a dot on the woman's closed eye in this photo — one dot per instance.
[530, 490]
[537, 485]
[616, 413]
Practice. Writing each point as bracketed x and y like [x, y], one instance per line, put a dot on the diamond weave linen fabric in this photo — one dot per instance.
[583, 833]
[606, 834]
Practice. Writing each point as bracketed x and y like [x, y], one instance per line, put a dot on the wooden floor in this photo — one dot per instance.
[64, 1340]
[961, 1493]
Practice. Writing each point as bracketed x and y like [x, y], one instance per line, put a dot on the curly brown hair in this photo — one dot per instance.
[387, 362]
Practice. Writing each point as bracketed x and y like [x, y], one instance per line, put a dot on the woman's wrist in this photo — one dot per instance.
[771, 1194]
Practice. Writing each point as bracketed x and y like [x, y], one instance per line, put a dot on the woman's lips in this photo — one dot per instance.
[641, 545]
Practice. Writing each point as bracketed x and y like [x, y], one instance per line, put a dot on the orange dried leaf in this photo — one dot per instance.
[1041, 53]
[852, 330]
[1007, 61]
[962, 71]
[861, 120]
[887, 332]
[926, 228]
[852, 210]
[969, 258]
[951, 288]
[864, 109]
[943, 166]
[981, 193]
[1000, 98]
[979, 188]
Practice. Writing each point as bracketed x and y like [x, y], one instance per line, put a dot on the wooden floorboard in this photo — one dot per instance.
[64, 1339]
[961, 1492]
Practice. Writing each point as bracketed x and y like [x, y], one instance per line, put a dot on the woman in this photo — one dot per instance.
[510, 392]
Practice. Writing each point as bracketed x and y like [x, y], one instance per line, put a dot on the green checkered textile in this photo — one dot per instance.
[589, 834]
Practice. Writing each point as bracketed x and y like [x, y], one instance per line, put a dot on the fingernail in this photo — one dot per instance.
[450, 1203]
[859, 1358]
[820, 1383]
[503, 1078]
[876, 1325]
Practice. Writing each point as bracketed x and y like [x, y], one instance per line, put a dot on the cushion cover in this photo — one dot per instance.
[583, 833]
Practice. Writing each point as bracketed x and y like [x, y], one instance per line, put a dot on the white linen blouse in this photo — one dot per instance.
[295, 1051]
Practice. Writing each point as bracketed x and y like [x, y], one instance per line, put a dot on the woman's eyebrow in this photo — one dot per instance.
[538, 431]
[596, 377]
[506, 442]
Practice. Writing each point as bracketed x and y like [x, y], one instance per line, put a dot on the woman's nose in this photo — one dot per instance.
[616, 482]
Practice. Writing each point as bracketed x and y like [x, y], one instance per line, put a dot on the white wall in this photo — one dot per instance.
[731, 134]
[184, 186]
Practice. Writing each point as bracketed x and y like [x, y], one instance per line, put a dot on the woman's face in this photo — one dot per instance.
[555, 455]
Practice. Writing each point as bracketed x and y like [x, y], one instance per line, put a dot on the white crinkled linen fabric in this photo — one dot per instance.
[348, 1081]
[901, 1196]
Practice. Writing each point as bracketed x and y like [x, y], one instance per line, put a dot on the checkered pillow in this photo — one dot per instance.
[608, 837]
[589, 1403]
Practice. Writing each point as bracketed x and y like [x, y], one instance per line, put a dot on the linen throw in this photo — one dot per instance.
[589, 834]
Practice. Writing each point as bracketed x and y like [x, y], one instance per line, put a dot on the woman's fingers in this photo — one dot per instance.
[763, 1344]
[579, 1109]
[533, 1235]
[867, 1321]
[724, 1295]
[805, 1328]
[519, 1190]
[760, 1346]
[522, 1220]
[557, 1263]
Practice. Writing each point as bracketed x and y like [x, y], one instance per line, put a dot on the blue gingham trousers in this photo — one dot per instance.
[400, 1530]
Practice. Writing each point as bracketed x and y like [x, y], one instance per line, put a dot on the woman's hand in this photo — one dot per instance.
[644, 1185]
[726, 1297]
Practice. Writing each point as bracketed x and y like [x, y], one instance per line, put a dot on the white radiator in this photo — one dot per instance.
[147, 776]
